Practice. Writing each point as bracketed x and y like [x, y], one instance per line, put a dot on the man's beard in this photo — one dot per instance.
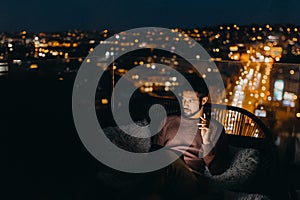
[191, 114]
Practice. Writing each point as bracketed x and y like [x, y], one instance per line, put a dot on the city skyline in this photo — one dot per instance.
[122, 15]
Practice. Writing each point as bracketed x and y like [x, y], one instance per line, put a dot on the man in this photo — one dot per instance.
[201, 141]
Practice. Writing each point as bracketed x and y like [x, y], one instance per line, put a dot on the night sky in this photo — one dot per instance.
[60, 15]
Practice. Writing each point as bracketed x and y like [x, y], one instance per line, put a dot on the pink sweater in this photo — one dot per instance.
[196, 155]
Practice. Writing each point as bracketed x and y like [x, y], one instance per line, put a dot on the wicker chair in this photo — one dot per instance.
[254, 167]
[254, 162]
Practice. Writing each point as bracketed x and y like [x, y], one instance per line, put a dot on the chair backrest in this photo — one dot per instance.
[238, 121]
[243, 128]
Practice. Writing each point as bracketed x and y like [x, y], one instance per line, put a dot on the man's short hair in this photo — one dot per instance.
[198, 84]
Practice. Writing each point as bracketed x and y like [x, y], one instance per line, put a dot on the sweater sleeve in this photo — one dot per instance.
[217, 160]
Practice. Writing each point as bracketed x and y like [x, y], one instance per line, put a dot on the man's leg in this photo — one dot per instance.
[176, 181]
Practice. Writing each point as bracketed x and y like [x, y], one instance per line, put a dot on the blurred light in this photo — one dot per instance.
[167, 84]
[19, 62]
[173, 78]
[147, 84]
[269, 98]
[33, 66]
[148, 89]
[216, 50]
[292, 72]
[298, 115]
[104, 101]
[267, 60]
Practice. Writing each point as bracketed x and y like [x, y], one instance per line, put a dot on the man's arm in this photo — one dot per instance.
[216, 153]
[217, 160]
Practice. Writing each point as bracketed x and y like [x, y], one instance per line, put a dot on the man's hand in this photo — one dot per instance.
[205, 131]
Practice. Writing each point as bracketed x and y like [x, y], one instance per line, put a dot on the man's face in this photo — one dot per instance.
[190, 102]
